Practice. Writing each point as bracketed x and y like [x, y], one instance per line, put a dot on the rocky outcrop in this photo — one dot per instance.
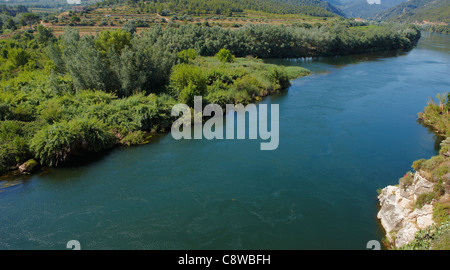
[398, 215]
[28, 167]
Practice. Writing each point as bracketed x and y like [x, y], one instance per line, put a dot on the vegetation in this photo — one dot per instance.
[85, 93]
[433, 13]
[271, 41]
[229, 7]
[362, 9]
[436, 115]
[225, 56]
[435, 237]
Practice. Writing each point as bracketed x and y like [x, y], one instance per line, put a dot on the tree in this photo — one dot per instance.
[43, 34]
[29, 19]
[11, 24]
[185, 56]
[129, 27]
[75, 19]
[18, 56]
[229, 13]
[115, 40]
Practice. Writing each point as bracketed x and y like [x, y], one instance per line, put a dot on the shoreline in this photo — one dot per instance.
[410, 208]
[14, 171]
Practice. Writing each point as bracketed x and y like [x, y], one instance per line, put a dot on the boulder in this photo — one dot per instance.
[29, 166]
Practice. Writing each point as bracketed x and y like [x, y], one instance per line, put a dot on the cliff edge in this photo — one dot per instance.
[399, 214]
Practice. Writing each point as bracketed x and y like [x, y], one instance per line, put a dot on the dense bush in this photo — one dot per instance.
[113, 62]
[54, 143]
[225, 56]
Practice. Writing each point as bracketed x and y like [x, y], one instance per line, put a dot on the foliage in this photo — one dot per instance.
[436, 115]
[429, 238]
[418, 10]
[76, 94]
[425, 198]
[225, 56]
[228, 7]
[441, 212]
[187, 81]
[113, 62]
[29, 19]
[54, 143]
[187, 56]
[271, 41]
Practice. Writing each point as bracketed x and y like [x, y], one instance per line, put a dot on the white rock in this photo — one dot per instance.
[406, 234]
[425, 217]
[397, 214]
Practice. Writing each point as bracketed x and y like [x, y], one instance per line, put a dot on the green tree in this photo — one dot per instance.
[185, 56]
[11, 24]
[115, 40]
[43, 34]
[129, 27]
[18, 56]
[75, 19]
[229, 13]
[29, 19]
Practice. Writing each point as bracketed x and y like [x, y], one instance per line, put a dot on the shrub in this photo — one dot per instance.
[132, 138]
[425, 198]
[279, 79]
[406, 181]
[54, 143]
[186, 81]
[441, 212]
[248, 84]
[225, 56]
[186, 56]
[418, 164]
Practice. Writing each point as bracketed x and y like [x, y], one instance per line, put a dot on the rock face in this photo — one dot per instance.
[400, 219]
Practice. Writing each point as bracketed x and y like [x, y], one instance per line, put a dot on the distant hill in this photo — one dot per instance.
[316, 3]
[437, 11]
[222, 7]
[362, 9]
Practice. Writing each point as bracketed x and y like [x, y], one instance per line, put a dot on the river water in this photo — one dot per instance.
[345, 131]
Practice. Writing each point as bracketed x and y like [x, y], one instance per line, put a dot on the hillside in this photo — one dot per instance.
[315, 3]
[362, 9]
[436, 11]
[223, 7]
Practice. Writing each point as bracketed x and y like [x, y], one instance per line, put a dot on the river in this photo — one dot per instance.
[347, 130]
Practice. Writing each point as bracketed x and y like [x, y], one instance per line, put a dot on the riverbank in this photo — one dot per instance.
[415, 213]
[81, 94]
[91, 121]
